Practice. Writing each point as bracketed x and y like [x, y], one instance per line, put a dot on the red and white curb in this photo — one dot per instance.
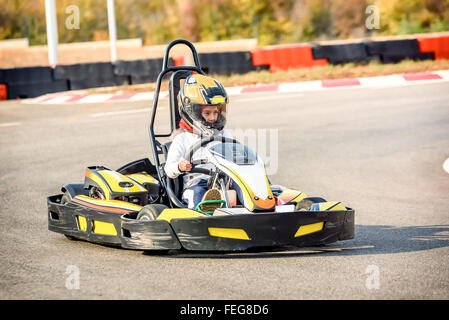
[68, 97]
[304, 86]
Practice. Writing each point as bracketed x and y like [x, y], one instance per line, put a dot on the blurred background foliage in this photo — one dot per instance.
[270, 21]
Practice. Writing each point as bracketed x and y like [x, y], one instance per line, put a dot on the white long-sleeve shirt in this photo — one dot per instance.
[181, 143]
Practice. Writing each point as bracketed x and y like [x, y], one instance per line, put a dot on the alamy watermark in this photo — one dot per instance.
[72, 281]
[372, 282]
[373, 20]
[73, 20]
[265, 142]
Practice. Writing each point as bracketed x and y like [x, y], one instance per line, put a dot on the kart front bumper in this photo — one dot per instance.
[212, 233]
[240, 232]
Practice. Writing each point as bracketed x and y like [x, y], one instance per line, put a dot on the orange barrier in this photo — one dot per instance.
[438, 45]
[178, 60]
[285, 57]
[3, 92]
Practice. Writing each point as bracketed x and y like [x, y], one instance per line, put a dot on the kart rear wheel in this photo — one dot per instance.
[66, 197]
[306, 203]
[150, 212]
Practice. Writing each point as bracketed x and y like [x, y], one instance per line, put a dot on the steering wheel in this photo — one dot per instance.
[196, 146]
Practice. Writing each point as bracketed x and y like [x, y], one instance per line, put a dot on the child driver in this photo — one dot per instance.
[202, 106]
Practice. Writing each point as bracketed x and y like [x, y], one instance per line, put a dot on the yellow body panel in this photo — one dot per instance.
[143, 178]
[291, 195]
[105, 228]
[309, 228]
[228, 233]
[82, 223]
[113, 179]
[332, 206]
[100, 183]
[300, 197]
[179, 213]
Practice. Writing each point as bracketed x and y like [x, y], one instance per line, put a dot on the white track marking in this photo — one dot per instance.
[300, 86]
[142, 96]
[443, 74]
[234, 90]
[9, 124]
[382, 81]
[446, 165]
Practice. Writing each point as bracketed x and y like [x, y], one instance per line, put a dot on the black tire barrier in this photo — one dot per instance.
[392, 51]
[140, 71]
[227, 63]
[98, 82]
[35, 89]
[342, 53]
[26, 75]
[83, 71]
[90, 75]
[30, 82]
[138, 67]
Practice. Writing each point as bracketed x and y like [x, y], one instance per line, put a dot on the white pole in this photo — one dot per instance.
[52, 32]
[112, 30]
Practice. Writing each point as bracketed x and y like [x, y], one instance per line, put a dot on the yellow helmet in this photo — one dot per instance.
[197, 92]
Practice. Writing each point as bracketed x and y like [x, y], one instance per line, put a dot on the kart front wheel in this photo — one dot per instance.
[150, 212]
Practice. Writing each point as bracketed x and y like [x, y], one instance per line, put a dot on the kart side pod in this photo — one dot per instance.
[107, 184]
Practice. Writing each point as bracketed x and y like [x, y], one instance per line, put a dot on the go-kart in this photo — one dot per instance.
[138, 207]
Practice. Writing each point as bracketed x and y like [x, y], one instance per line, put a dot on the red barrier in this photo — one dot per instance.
[286, 57]
[178, 61]
[438, 45]
[3, 92]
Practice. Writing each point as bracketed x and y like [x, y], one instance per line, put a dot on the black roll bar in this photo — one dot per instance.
[154, 143]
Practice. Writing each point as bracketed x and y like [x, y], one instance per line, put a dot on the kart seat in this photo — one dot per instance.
[175, 184]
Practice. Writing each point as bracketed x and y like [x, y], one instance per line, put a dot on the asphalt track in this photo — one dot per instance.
[380, 151]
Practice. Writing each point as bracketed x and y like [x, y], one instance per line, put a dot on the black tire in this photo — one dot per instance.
[66, 197]
[158, 252]
[151, 212]
[71, 237]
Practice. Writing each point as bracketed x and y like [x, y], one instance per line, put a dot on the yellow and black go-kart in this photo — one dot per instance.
[138, 207]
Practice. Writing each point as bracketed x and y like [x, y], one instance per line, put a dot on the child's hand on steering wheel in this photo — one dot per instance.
[184, 165]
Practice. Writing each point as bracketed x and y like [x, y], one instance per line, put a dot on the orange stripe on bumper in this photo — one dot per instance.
[102, 208]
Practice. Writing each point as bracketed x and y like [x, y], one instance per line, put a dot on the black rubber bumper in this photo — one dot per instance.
[215, 233]
[263, 230]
